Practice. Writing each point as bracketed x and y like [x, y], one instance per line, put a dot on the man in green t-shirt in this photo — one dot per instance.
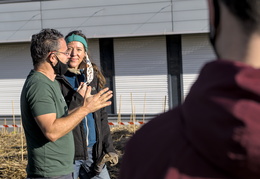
[46, 122]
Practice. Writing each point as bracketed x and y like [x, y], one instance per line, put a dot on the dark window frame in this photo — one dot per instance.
[174, 64]
[106, 47]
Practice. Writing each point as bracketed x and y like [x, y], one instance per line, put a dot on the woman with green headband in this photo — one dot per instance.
[92, 138]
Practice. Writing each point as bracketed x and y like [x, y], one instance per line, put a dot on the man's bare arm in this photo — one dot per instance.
[54, 128]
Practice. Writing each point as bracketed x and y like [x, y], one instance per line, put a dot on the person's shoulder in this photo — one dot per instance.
[161, 127]
[37, 77]
[163, 119]
[38, 81]
[150, 148]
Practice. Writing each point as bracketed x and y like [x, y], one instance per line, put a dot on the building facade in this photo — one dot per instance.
[150, 51]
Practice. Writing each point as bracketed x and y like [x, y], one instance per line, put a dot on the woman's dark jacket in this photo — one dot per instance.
[104, 142]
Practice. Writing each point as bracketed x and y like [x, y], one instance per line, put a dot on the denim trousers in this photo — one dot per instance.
[88, 164]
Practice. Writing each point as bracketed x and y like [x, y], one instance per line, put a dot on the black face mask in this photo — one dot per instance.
[214, 29]
[60, 68]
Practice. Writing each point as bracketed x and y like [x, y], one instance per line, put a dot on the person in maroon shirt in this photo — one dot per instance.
[215, 133]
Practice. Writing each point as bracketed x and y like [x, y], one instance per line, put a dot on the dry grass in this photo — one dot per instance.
[13, 154]
[120, 135]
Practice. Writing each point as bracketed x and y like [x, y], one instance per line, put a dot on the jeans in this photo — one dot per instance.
[82, 174]
[58, 177]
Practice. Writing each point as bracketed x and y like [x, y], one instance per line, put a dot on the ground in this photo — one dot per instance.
[13, 155]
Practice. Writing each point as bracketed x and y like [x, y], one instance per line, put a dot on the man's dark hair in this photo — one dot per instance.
[47, 40]
[248, 11]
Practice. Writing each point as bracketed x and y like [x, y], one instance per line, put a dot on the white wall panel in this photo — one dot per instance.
[19, 25]
[117, 20]
[90, 3]
[94, 51]
[22, 35]
[190, 16]
[15, 66]
[101, 18]
[196, 51]
[186, 5]
[114, 31]
[86, 9]
[18, 21]
[141, 73]
[108, 19]
[10, 96]
[19, 7]
[98, 18]
[184, 16]
[20, 16]
[185, 27]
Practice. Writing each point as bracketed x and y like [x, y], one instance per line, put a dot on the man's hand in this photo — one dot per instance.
[54, 128]
[95, 102]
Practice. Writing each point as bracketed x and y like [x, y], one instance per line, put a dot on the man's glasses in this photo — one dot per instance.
[64, 53]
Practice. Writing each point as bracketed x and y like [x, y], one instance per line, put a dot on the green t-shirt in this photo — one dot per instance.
[41, 96]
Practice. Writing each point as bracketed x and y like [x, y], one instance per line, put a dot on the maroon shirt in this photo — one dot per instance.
[214, 134]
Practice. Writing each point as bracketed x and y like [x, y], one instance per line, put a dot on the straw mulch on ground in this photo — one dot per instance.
[13, 154]
[120, 137]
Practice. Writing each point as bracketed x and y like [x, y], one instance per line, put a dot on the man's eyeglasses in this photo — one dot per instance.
[64, 53]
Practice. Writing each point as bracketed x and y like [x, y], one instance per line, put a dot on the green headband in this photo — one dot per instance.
[78, 38]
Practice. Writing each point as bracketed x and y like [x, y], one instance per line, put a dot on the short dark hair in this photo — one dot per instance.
[45, 41]
[247, 11]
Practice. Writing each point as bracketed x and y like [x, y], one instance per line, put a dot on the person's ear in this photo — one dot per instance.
[53, 59]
